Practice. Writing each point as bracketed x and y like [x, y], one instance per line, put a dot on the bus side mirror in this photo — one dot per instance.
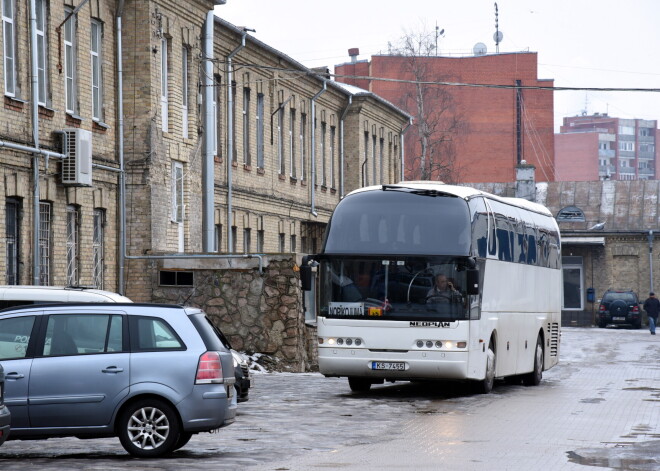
[306, 274]
[472, 281]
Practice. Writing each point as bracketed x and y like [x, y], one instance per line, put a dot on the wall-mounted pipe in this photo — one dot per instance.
[651, 261]
[36, 221]
[208, 175]
[401, 150]
[230, 140]
[341, 147]
[313, 182]
[121, 233]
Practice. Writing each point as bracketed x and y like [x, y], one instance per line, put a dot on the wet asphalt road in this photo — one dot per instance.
[599, 408]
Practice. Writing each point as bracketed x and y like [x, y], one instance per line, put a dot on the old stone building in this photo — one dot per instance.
[61, 89]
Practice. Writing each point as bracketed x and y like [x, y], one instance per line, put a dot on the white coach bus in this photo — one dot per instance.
[380, 315]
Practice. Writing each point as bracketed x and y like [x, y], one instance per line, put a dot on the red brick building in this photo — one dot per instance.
[500, 125]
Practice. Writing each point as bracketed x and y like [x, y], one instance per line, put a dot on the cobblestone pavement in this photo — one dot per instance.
[599, 408]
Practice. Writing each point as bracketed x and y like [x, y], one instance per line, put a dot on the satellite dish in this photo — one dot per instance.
[497, 36]
[479, 49]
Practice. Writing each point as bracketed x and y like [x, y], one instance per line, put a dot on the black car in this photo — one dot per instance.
[5, 416]
[619, 307]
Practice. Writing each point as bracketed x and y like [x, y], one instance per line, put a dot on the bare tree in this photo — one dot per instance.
[431, 155]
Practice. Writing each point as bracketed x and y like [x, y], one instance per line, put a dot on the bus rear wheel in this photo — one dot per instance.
[359, 384]
[534, 378]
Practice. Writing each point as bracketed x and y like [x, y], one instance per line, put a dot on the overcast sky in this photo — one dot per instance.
[580, 43]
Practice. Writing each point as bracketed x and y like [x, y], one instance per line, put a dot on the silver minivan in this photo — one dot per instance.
[152, 375]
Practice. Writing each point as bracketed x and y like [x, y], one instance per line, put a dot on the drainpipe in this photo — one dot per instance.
[36, 216]
[230, 139]
[403, 156]
[313, 183]
[651, 261]
[341, 148]
[208, 176]
[121, 235]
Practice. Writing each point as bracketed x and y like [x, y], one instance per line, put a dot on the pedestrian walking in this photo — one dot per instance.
[652, 308]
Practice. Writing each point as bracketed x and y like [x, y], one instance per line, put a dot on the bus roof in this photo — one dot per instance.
[464, 192]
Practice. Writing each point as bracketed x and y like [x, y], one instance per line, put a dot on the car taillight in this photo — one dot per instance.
[209, 369]
[635, 309]
[601, 308]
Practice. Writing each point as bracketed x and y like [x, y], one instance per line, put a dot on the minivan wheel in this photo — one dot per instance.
[149, 428]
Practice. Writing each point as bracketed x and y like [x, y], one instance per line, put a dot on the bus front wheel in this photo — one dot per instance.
[485, 385]
[534, 378]
[359, 384]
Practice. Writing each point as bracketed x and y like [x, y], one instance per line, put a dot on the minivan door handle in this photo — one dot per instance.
[112, 369]
[14, 375]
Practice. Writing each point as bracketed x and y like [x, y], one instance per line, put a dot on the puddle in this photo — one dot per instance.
[641, 456]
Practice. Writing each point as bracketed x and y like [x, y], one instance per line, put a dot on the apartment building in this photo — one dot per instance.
[58, 160]
[603, 147]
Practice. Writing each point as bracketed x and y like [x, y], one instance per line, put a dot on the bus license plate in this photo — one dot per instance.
[387, 365]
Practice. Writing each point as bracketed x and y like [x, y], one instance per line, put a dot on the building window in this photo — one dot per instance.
[292, 142]
[303, 146]
[72, 245]
[627, 130]
[381, 159]
[177, 192]
[217, 95]
[97, 70]
[234, 152]
[280, 140]
[98, 248]
[164, 68]
[234, 236]
[247, 240]
[365, 174]
[176, 278]
[8, 14]
[260, 130]
[293, 243]
[573, 283]
[12, 240]
[246, 127]
[626, 146]
[70, 71]
[45, 234]
[184, 91]
[260, 241]
[333, 136]
[373, 159]
[217, 247]
[281, 242]
[324, 163]
[42, 51]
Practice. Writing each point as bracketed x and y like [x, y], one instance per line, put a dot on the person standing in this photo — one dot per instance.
[652, 308]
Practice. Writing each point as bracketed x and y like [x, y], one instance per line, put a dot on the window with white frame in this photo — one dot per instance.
[292, 142]
[72, 245]
[365, 175]
[42, 52]
[184, 91]
[281, 238]
[45, 237]
[627, 130]
[280, 140]
[217, 246]
[373, 160]
[12, 240]
[260, 130]
[303, 147]
[247, 240]
[381, 159]
[177, 192]
[98, 248]
[293, 243]
[333, 136]
[626, 145]
[324, 163]
[246, 126]
[217, 95]
[97, 70]
[260, 241]
[70, 71]
[164, 103]
[9, 36]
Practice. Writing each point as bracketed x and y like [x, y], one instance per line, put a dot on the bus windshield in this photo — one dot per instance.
[393, 288]
[400, 221]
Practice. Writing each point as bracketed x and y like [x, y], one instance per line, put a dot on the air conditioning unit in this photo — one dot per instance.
[77, 165]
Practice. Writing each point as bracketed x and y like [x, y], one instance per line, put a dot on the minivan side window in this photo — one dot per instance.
[152, 333]
[15, 336]
[82, 334]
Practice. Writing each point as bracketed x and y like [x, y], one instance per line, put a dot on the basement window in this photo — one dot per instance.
[176, 278]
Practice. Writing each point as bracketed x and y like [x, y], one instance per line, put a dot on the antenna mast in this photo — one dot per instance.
[497, 36]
